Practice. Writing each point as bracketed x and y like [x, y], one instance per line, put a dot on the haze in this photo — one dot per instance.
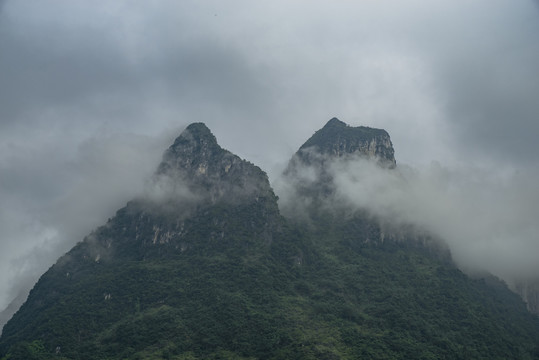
[91, 94]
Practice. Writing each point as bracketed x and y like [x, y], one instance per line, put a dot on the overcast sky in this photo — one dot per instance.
[92, 93]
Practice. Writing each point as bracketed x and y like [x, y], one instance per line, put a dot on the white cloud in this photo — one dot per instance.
[487, 216]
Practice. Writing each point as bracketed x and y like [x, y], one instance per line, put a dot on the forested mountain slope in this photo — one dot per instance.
[204, 266]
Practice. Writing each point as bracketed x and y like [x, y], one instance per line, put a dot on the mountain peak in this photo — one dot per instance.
[195, 146]
[195, 160]
[195, 139]
[337, 139]
[334, 122]
[309, 169]
[197, 132]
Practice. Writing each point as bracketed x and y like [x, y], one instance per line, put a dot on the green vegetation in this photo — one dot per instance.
[233, 279]
[307, 293]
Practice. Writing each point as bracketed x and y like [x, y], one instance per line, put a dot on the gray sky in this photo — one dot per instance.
[91, 94]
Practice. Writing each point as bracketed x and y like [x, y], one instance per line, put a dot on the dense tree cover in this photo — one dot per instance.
[309, 293]
[227, 279]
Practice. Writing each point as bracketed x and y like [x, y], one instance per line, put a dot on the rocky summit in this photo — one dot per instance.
[337, 139]
[205, 266]
[197, 162]
[309, 171]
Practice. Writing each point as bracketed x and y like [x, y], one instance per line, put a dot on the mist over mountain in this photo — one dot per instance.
[333, 175]
[209, 263]
[486, 223]
[93, 92]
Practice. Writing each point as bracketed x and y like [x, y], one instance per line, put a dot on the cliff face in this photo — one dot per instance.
[194, 182]
[310, 171]
[197, 162]
[336, 140]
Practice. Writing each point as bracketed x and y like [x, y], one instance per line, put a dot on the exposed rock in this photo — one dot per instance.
[309, 171]
[209, 172]
[337, 139]
[195, 181]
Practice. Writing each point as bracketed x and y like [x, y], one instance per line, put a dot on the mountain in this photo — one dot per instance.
[337, 139]
[204, 266]
[174, 269]
[310, 177]
[309, 171]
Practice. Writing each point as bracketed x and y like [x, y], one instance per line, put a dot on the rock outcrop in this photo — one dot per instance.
[337, 139]
[197, 162]
[310, 169]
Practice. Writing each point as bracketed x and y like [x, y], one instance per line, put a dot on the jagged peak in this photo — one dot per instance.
[197, 161]
[197, 132]
[194, 146]
[338, 139]
[196, 136]
[335, 122]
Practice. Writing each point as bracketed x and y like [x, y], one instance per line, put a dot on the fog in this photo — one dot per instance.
[45, 211]
[91, 94]
[486, 216]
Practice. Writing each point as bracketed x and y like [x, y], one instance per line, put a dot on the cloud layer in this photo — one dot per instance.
[487, 217]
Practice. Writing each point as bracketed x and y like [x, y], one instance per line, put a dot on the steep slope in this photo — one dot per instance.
[337, 139]
[349, 238]
[529, 291]
[204, 267]
[178, 269]
[12, 308]
[310, 175]
[309, 170]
